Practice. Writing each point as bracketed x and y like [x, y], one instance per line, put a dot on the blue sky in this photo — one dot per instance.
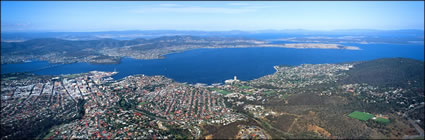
[209, 16]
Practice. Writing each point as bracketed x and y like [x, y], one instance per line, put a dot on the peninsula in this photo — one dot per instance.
[106, 51]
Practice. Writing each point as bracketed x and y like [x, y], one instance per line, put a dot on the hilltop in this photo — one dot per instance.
[396, 72]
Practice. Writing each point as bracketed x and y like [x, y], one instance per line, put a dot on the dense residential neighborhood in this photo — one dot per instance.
[94, 105]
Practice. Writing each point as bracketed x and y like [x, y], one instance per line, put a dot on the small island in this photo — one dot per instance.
[312, 45]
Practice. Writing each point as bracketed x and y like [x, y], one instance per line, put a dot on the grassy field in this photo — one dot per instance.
[269, 92]
[360, 115]
[382, 120]
[142, 103]
[225, 92]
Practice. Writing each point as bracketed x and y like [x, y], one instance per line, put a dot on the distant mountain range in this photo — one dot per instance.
[57, 50]
[111, 46]
[107, 50]
[261, 34]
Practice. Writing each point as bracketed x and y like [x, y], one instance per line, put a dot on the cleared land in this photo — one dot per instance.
[363, 116]
[225, 92]
[382, 120]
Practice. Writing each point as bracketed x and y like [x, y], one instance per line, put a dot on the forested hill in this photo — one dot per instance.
[395, 72]
[107, 50]
[45, 45]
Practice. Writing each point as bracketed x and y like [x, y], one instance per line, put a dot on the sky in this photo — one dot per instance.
[86, 16]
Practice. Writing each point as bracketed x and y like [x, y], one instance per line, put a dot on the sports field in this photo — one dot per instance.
[225, 92]
[142, 103]
[360, 115]
[382, 120]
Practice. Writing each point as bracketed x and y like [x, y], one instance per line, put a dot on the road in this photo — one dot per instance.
[419, 129]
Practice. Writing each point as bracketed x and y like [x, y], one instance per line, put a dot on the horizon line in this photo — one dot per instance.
[235, 30]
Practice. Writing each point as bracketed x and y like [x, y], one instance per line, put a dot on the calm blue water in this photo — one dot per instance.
[216, 65]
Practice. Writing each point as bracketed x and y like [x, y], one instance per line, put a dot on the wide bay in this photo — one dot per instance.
[216, 65]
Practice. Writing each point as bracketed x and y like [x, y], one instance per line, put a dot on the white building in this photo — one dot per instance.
[231, 81]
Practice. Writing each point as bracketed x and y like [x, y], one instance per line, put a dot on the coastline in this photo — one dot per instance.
[162, 55]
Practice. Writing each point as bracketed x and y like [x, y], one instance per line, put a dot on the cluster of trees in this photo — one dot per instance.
[126, 105]
[39, 126]
[394, 72]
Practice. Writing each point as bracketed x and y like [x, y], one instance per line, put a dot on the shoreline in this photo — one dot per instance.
[275, 67]
[163, 56]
